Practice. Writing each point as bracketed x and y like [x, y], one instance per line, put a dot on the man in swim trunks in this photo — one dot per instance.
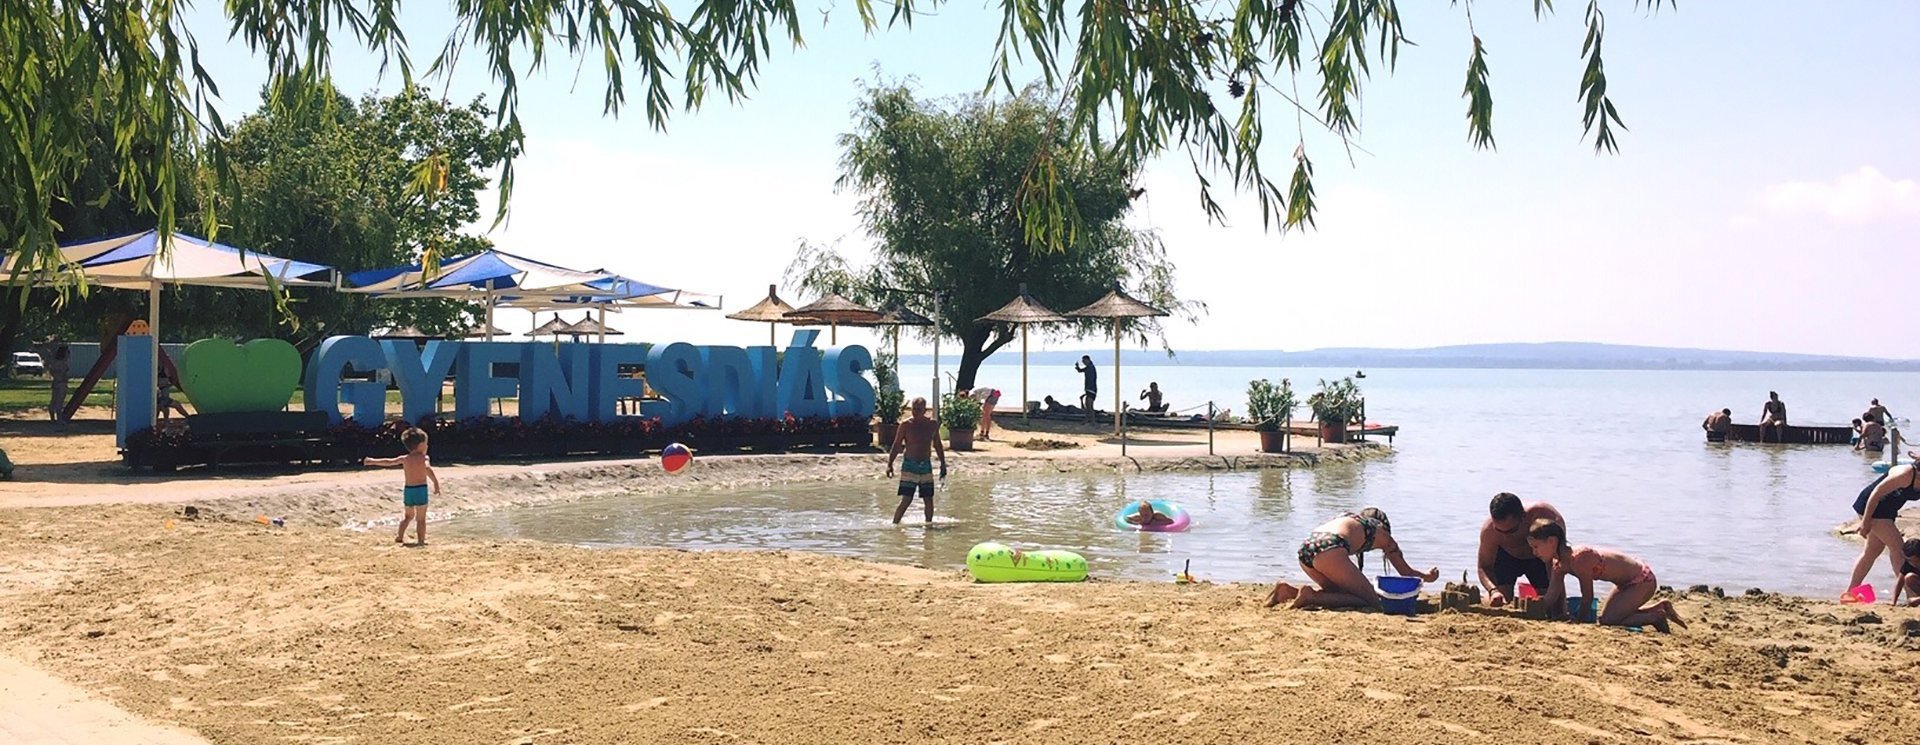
[919, 440]
[1505, 556]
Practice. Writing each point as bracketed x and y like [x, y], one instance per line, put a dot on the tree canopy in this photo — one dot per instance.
[1136, 77]
[333, 185]
[939, 186]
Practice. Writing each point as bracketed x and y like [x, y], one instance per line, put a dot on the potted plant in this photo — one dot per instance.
[960, 414]
[1270, 406]
[1334, 407]
[887, 399]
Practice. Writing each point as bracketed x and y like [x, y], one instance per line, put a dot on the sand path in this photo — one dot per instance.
[38, 709]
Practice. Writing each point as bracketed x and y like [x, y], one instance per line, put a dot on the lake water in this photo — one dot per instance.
[1619, 452]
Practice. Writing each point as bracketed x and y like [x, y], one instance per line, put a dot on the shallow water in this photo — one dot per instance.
[1619, 452]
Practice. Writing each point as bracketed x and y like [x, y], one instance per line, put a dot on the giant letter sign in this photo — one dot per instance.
[419, 374]
[476, 388]
[325, 391]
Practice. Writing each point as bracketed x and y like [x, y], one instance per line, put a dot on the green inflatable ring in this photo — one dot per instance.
[997, 562]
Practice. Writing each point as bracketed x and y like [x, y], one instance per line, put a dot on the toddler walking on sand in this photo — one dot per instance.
[419, 472]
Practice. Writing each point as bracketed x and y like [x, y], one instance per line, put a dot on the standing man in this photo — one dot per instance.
[1505, 556]
[919, 439]
[1875, 412]
[1773, 416]
[1091, 391]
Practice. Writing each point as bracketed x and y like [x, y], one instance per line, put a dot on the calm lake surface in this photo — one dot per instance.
[1619, 452]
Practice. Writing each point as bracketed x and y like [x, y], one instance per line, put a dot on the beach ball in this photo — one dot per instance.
[675, 458]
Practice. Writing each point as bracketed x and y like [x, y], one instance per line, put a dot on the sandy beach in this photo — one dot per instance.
[239, 632]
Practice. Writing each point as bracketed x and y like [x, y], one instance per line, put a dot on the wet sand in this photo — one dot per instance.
[245, 633]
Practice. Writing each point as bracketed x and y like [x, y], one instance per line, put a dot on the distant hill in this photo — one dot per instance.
[1547, 355]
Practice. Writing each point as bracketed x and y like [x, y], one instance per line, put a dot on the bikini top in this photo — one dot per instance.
[1371, 526]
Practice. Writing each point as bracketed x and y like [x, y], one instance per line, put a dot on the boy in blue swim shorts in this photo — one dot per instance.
[919, 440]
[419, 473]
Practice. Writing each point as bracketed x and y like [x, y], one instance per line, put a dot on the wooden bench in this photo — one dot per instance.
[259, 437]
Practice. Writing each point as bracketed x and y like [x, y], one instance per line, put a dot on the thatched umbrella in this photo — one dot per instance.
[590, 327]
[1117, 305]
[833, 310]
[1022, 311]
[770, 311]
[484, 331]
[893, 315]
[553, 328]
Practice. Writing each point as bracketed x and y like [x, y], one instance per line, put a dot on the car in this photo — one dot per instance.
[28, 363]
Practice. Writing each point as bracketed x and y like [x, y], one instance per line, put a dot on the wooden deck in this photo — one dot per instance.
[1790, 434]
[1147, 421]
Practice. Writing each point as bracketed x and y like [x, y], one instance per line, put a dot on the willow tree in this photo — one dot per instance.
[940, 184]
[1140, 76]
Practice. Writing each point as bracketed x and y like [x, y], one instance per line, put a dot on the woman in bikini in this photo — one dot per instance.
[1877, 506]
[1333, 558]
[1633, 580]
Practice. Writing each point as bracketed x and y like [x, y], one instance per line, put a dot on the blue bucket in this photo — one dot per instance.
[1399, 595]
[1593, 608]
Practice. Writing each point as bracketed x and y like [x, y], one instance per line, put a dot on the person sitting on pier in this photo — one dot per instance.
[1156, 404]
[1773, 415]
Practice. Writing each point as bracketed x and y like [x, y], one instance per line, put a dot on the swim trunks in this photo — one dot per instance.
[1508, 569]
[916, 475]
[414, 496]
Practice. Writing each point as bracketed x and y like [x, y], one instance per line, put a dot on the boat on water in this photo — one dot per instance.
[1790, 435]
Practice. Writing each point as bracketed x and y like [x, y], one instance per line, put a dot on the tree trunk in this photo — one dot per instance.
[975, 347]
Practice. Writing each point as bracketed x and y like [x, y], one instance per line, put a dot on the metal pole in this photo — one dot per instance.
[153, 327]
[936, 356]
[603, 325]
[1023, 372]
[489, 328]
[1118, 415]
[1210, 415]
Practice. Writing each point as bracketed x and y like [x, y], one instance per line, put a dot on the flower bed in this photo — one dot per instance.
[482, 438]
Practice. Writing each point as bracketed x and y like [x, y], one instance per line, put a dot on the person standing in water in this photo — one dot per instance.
[1090, 391]
[1717, 423]
[1875, 412]
[919, 440]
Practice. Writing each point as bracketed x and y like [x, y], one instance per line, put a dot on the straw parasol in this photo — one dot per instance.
[833, 310]
[484, 331]
[770, 311]
[1022, 311]
[894, 314]
[1117, 305]
[590, 327]
[553, 328]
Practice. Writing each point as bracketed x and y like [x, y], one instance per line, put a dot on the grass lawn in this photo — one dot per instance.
[27, 393]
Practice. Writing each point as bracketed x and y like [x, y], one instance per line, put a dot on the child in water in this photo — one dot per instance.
[1146, 517]
[1632, 579]
[419, 472]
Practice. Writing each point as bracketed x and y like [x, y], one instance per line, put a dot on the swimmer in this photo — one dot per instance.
[1145, 516]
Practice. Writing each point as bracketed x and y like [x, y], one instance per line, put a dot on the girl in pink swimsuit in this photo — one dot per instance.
[1633, 580]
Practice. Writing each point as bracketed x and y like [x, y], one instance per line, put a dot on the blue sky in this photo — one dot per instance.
[1767, 183]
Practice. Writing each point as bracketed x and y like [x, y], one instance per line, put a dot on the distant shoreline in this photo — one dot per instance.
[1186, 360]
